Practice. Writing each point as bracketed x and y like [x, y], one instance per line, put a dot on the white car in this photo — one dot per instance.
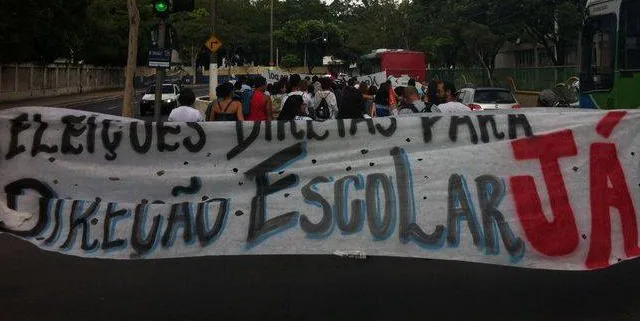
[487, 98]
[170, 93]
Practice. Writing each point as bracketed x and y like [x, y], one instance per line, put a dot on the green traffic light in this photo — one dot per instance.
[161, 6]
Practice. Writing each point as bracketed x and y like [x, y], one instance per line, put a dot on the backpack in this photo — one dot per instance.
[322, 111]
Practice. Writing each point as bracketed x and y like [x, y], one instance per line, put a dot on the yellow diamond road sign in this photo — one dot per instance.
[213, 44]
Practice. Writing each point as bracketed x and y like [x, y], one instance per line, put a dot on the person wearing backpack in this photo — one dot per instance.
[326, 104]
[243, 93]
[295, 82]
[412, 103]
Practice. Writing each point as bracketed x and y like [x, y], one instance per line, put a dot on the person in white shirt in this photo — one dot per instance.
[295, 81]
[446, 92]
[326, 94]
[186, 113]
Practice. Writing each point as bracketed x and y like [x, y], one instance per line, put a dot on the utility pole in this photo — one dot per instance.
[271, 62]
[213, 61]
[157, 111]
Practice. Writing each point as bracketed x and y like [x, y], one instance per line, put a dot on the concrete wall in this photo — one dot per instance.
[25, 81]
[259, 70]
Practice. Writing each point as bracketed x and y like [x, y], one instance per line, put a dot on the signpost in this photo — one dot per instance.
[160, 58]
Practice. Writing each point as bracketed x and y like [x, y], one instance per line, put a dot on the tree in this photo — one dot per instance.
[191, 35]
[318, 37]
[554, 24]
[129, 89]
[41, 31]
[290, 61]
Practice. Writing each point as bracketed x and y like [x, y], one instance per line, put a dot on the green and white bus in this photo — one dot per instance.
[610, 55]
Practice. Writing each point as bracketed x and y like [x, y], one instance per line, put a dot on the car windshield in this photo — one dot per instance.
[493, 97]
[166, 89]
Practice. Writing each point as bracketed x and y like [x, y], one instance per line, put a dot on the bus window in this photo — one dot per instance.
[629, 48]
[597, 53]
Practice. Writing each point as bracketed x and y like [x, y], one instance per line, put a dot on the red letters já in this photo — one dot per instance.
[560, 235]
[609, 189]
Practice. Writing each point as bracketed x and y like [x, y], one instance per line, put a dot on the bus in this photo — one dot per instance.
[395, 62]
[610, 55]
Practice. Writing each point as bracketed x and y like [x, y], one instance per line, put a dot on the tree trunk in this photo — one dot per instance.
[486, 67]
[132, 59]
[194, 53]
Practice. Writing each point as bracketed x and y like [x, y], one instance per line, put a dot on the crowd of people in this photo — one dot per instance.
[319, 99]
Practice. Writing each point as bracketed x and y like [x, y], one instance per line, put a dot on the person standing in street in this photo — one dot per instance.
[326, 103]
[412, 103]
[186, 113]
[294, 109]
[295, 82]
[446, 93]
[261, 105]
[227, 108]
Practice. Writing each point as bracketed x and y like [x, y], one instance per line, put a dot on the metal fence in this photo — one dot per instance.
[524, 79]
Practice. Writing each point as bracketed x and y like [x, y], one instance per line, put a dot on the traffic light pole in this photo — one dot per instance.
[162, 28]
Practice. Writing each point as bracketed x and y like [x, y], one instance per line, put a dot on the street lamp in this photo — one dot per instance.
[325, 39]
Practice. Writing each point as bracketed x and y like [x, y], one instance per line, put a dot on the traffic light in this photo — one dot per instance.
[161, 8]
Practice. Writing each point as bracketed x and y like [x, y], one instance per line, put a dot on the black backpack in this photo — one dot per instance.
[322, 111]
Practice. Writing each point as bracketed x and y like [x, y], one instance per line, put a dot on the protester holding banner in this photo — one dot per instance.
[227, 109]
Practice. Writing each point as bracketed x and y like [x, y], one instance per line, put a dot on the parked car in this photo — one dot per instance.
[170, 93]
[487, 98]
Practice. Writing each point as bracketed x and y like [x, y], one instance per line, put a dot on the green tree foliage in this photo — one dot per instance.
[290, 61]
[451, 32]
[191, 34]
[319, 38]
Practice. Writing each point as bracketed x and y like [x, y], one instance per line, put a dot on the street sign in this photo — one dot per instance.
[160, 58]
[213, 44]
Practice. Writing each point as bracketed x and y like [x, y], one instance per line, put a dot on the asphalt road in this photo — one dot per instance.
[114, 106]
[37, 285]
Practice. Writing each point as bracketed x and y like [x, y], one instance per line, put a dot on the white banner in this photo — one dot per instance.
[273, 76]
[546, 189]
[374, 79]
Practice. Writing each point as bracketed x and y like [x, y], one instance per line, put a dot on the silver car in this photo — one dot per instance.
[487, 98]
